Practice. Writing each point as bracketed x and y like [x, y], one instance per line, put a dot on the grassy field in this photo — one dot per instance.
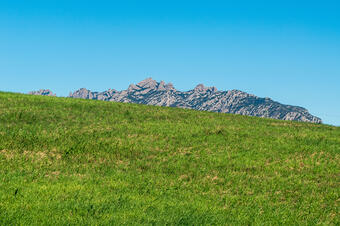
[70, 161]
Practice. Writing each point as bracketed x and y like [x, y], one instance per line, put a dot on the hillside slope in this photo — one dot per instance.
[73, 161]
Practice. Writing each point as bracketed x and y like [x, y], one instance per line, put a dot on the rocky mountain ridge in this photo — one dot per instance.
[202, 98]
[43, 92]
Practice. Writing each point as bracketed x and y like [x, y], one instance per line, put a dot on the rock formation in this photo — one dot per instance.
[42, 92]
[203, 98]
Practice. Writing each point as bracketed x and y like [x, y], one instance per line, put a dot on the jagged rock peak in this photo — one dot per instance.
[150, 84]
[42, 92]
[170, 86]
[200, 88]
[161, 86]
[82, 93]
[132, 88]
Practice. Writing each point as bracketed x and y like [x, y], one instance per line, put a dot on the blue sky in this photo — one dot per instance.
[286, 50]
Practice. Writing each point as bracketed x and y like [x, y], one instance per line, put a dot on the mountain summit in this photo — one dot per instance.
[42, 92]
[202, 98]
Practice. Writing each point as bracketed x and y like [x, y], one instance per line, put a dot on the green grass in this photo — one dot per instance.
[70, 161]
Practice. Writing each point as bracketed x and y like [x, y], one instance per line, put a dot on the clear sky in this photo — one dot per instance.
[286, 50]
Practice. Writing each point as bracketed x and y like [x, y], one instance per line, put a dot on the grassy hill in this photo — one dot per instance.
[72, 161]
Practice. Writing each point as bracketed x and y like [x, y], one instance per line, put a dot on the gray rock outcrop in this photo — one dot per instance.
[202, 98]
[42, 92]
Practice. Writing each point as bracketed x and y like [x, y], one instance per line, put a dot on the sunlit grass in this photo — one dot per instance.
[70, 161]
